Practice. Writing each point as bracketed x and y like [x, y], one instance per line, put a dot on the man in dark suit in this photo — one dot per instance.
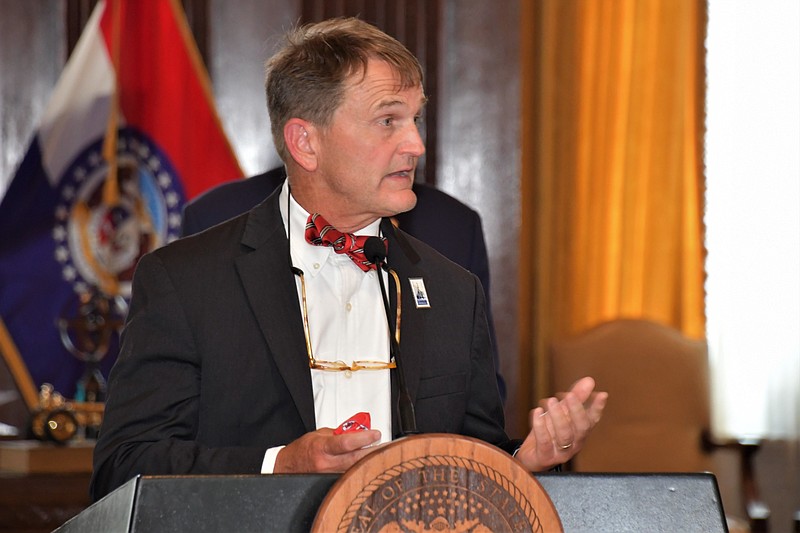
[247, 343]
[438, 219]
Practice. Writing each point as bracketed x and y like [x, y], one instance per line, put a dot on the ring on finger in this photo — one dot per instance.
[566, 446]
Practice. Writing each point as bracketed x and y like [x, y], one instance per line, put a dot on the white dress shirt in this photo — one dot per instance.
[347, 322]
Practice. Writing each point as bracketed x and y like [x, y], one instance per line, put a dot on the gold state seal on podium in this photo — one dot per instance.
[437, 482]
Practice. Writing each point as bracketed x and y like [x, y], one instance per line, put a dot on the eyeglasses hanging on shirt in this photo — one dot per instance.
[340, 366]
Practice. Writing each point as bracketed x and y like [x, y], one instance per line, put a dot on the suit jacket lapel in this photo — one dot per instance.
[270, 289]
[404, 260]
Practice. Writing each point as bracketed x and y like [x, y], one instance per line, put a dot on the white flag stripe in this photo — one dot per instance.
[77, 112]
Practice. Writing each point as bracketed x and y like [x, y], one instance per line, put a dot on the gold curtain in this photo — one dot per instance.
[612, 175]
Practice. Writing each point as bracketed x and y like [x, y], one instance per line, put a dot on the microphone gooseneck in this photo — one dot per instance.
[375, 251]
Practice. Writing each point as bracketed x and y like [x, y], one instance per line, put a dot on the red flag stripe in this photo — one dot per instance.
[165, 92]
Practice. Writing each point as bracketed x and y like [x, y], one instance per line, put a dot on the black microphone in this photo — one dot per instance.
[375, 250]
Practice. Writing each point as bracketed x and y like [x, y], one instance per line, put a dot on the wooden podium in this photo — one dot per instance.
[437, 482]
[465, 485]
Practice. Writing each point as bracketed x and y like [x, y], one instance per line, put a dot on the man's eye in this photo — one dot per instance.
[388, 121]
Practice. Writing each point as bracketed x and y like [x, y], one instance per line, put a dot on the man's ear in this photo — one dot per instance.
[298, 135]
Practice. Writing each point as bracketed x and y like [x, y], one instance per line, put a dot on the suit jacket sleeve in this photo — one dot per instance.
[153, 408]
[485, 418]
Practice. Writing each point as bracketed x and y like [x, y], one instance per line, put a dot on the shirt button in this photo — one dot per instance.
[349, 306]
[348, 374]
[316, 266]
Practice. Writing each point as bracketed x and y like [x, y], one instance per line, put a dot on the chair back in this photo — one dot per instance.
[659, 398]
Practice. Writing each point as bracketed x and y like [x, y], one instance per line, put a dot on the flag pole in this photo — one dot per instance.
[19, 371]
[111, 185]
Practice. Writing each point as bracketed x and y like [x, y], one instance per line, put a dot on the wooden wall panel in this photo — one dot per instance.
[78, 13]
[32, 54]
[197, 14]
[479, 154]
[243, 34]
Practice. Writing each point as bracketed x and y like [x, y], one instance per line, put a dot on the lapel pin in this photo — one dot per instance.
[420, 294]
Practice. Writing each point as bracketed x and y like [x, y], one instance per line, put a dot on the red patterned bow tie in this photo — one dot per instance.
[320, 233]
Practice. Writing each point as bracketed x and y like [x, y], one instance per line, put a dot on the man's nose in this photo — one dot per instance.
[412, 143]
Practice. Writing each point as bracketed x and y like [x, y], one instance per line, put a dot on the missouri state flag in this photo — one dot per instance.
[129, 135]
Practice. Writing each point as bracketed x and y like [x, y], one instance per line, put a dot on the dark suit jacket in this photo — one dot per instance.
[439, 220]
[213, 367]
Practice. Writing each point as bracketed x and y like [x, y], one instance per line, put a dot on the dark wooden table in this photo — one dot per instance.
[41, 502]
[41, 485]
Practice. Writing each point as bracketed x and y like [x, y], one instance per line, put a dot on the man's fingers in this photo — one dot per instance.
[595, 406]
[579, 417]
[562, 431]
[350, 442]
[343, 451]
[322, 451]
[541, 432]
[583, 388]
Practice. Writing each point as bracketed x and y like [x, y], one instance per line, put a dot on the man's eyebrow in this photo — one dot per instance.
[391, 103]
